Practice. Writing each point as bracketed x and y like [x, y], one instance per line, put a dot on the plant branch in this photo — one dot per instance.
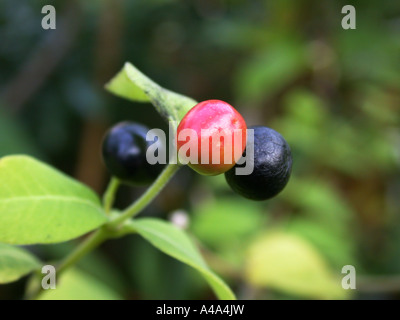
[92, 242]
[109, 195]
[112, 228]
[147, 197]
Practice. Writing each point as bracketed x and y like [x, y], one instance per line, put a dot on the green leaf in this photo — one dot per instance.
[174, 242]
[290, 264]
[78, 285]
[15, 263]
[158, 276]
[132, 84]
[38, 204]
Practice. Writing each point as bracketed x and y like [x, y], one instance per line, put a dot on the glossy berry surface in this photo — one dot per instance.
[124, 153]
[272, 166]
[209, 120]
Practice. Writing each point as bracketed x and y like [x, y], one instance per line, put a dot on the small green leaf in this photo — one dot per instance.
[174, 242]
[15, 263]
[38, 204]
[290, 264]
[78, 285]
[132, 84]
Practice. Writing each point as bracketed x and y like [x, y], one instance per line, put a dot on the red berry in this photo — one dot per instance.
[214, 126]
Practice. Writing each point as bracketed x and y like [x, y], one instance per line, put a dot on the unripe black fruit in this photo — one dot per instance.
[124, 154]
[272, 166]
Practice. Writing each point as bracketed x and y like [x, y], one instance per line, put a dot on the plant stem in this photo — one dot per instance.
[147, 197]
[85, 247]
[109, 229]
[109, 195]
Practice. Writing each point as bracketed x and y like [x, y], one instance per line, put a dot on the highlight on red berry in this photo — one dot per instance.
[211, 137]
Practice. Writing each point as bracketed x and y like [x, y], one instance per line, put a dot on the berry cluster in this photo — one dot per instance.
[211, 130]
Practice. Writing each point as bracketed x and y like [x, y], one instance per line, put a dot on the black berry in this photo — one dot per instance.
[124, 153]
[272, 166]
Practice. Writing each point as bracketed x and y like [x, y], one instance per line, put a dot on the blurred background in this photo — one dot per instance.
[334, 95]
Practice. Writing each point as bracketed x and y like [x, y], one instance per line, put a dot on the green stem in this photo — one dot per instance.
[109, 195]
[111, 229]
[147, 197]
[92, 242]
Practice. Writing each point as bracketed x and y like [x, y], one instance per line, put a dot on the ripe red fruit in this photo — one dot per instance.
[212, 137]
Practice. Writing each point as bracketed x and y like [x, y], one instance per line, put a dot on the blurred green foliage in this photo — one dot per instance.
[333, 94]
